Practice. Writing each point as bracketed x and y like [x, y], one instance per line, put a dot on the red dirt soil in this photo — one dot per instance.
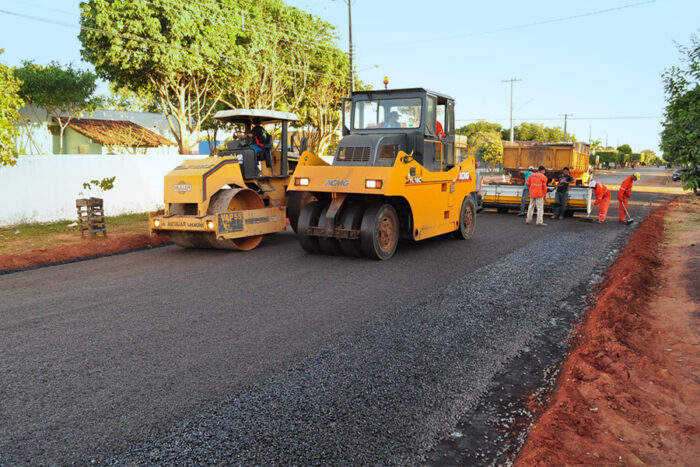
[90, 248]
[629, 391]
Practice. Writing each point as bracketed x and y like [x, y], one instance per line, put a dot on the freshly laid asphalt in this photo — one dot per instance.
[118, 358]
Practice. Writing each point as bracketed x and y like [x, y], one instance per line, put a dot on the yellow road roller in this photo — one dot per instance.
[231, 200]
[394, 174]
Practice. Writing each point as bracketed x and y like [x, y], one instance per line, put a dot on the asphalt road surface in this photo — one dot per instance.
[98, 356]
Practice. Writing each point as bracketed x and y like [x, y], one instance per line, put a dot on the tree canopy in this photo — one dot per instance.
[191, 56]
[484, 139]
[10, 103]
[528, 131]
[62, 92]
[680, 137]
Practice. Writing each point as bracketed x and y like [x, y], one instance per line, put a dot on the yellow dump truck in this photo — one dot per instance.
[394, 174]
[519, 155]
[231, 200]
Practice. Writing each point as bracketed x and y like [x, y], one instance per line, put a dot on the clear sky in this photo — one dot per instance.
[593, 66]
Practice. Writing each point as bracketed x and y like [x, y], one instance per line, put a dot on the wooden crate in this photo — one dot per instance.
[91, 216]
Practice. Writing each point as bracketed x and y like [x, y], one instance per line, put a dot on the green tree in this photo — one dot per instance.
[319, 111]
[10, 103]
[481, 126]
[648, 156]
[680, 137]
[608, 156]
[63, 93]
[161, 50]
[491, 151]
[194, 55]
[484, 140]
[528, 131]
[556, 134]
[129, 101]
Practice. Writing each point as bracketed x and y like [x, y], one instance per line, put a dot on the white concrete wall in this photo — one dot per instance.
[44, 188]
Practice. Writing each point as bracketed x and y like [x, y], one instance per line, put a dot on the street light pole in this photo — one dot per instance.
[566, 116]
[351, 51]
[512, 80]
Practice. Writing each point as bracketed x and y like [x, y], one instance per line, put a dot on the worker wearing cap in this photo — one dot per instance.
[526, 191]
[625, 193]
[537, 183]
[602, 195]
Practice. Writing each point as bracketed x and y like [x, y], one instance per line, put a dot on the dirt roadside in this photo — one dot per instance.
[34, 245]
[629, 392]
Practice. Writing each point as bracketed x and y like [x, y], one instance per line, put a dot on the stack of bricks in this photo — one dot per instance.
[91, 216]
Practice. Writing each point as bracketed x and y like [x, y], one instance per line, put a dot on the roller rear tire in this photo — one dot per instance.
[379, 232]
[467, 220]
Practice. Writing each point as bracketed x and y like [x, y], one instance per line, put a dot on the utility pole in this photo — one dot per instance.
[351, 48]
[566, 116]
[511, 81]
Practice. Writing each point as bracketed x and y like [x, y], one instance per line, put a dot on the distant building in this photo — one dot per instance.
[97, 136]
[131, 132]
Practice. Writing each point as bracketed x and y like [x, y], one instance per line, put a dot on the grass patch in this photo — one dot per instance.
[49, 228]
[23, 237]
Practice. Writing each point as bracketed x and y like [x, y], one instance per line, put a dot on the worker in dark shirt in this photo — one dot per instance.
[561, 195]
[259, 137]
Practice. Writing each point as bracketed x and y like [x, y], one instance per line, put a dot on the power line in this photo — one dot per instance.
[523, 26]
[154, 42]
[632, 117]
[43, 8]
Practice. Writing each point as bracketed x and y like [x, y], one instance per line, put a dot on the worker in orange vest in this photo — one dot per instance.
[625, 193]
[537, 184]
[602, 195]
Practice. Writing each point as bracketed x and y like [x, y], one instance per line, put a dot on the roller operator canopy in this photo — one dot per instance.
[247, 116]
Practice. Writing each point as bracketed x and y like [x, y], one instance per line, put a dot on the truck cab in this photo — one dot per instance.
[379, 124]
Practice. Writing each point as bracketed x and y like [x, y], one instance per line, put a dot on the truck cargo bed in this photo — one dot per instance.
[505, 196]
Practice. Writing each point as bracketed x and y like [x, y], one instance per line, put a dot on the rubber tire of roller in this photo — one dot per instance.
[466, 232]
[328, 246]
[308, 217]
[351, 218]
[372, 221]
[296, 200]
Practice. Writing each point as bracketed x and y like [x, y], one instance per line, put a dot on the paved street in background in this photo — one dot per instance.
[100, 355]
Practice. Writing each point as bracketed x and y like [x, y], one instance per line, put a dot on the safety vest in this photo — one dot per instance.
[625, 188]
[537, 182]
[600, 190]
